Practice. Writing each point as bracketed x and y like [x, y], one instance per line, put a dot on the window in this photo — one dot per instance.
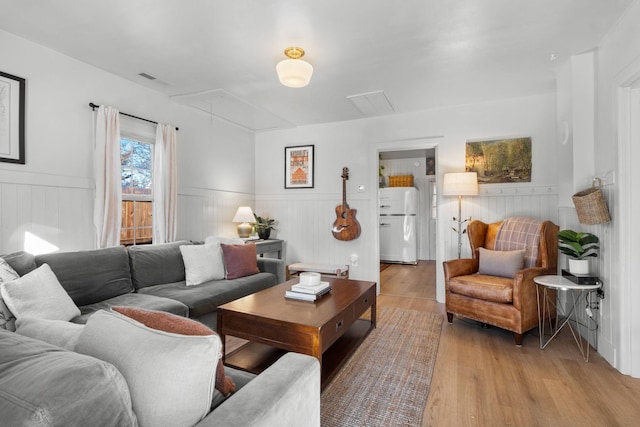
[136, 159]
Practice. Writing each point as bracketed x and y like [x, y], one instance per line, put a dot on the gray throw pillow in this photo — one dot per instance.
[501, 263]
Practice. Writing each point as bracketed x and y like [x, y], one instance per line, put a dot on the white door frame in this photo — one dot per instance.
[626, 229]
[399, 145]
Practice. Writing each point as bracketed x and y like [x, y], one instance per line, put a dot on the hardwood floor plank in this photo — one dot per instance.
[482, 379]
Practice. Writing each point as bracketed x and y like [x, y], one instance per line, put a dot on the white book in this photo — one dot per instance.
[316, 289]
[300, 296]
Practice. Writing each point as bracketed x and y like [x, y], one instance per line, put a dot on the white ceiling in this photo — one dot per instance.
[421, 53]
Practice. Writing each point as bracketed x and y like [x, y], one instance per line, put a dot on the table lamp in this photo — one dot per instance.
[244, 215]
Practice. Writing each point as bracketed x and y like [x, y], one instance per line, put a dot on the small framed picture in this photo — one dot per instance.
[298, 166]
[431, 165]
[12, 110]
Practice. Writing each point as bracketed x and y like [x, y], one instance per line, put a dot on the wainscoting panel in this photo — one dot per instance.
[41, 218]
[203, 213]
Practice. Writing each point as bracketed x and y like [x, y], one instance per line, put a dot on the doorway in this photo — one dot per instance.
[402, 275]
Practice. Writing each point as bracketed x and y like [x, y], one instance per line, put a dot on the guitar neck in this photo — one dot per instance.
[344, 193]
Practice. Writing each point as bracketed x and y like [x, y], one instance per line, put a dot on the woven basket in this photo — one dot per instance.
[590, 205]
[401, 181]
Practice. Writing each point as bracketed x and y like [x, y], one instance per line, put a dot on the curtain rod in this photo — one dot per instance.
[94, 106]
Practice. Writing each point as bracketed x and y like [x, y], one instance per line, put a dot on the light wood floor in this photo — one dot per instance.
[482, 379]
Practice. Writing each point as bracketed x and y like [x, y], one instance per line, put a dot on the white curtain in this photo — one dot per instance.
[107, 210]
[165, 185]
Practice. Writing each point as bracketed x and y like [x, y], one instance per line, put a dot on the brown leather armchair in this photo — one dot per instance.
[507, 303]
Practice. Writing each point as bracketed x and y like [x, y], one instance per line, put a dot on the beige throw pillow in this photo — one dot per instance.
[57, 332]
[171, 377]
[38, 294]
[202, 263]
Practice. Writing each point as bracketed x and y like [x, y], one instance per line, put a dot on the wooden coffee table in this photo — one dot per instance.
[329, 329]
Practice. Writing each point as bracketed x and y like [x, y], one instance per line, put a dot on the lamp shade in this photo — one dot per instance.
[294, 72]
[460, 184]
[244, 214]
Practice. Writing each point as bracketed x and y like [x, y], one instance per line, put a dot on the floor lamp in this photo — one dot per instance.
[460, 184]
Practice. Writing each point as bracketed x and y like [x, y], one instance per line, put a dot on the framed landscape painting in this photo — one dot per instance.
[298, 166]
[12, 93]
[500, 160]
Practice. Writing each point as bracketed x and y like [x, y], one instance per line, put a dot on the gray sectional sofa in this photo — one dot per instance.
[42, 384]
[146, 276]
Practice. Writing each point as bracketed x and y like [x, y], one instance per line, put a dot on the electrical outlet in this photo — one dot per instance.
[354, 260]
[600, 293]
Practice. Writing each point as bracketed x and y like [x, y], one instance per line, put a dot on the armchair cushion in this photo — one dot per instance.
[500, 263]
[483, 287]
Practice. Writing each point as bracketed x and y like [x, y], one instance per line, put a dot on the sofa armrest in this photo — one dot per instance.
[285, 394]
[272, 265]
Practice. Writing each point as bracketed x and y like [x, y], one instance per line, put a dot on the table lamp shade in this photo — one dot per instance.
[460, 184]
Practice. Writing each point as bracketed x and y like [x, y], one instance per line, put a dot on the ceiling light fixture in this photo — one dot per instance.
[294, 72]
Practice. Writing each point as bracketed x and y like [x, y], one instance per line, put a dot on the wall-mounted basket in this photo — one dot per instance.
[590, 205]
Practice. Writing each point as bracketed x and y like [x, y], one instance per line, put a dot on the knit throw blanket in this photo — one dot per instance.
[520, 233]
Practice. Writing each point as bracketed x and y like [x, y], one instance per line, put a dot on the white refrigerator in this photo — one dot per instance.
[398, 222]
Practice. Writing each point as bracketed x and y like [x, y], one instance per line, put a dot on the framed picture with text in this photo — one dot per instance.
[12, 94]
[298, 166]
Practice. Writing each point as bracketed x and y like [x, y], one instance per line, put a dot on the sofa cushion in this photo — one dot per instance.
[240, 260]
[80, 390]
[202, 263]
[171, 377]
[206, 297]
[149, 302]
[179, 325]
[157, 264]
[38, 294]
[93, 275]
[56, 332]
[500, 263]
[488, 288]
[22, 262]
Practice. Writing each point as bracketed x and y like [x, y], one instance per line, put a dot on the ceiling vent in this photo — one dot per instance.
[153, 80]
[372, 103]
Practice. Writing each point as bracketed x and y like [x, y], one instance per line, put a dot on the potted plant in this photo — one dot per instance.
[263, 226]
[578, 246]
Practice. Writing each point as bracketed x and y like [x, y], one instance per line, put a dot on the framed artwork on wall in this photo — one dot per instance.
[298, 166]
[12, 110]
[500, 160]
[430, 165]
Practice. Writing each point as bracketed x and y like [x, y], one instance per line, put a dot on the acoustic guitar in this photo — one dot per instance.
[346, 226]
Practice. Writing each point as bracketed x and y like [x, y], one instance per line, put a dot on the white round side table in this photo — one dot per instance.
[577, 291]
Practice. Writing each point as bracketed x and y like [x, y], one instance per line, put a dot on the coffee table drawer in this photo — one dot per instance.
[364, 303]
[334, 328]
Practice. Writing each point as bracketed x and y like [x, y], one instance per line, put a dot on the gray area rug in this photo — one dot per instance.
[386, 381]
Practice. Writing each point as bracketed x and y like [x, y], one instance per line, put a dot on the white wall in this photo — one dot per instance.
[617, 66]
[305, 216]
[52, 195]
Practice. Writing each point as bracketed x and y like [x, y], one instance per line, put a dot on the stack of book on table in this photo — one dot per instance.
[308, 292]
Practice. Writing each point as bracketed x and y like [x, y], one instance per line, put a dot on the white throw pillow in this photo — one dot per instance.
[214, 240]
[38, 294]
[56, 332]
[171, 377]
[202, 263]
[7, 273]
